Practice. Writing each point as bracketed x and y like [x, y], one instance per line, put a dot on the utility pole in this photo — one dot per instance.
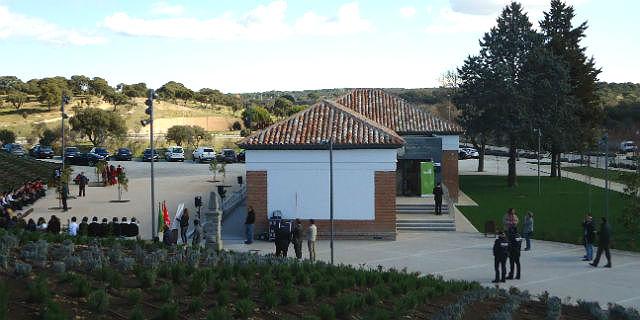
[605, 141]
[331, 194]
[65, 100]
[538, 156]
[149, 111]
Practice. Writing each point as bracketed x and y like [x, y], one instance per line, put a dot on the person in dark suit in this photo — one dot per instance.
[283, 239]
[114, 228]
[500, 253]
[83, 228]
[437, 198]
[94, 228]
[103, 231]
[53, 226]
[296, 238]
[604, 244]
[588, 236]
[515, 247]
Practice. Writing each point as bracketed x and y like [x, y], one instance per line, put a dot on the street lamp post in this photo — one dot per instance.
[63, 116]
[149, 111]
[538, 158]
[605, 142]
[331, 194]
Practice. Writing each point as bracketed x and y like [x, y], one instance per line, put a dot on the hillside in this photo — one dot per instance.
[84, 278]
[17, 171]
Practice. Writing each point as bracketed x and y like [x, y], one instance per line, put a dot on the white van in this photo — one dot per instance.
[175, 153]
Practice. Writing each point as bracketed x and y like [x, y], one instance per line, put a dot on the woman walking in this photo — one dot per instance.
[184, 225]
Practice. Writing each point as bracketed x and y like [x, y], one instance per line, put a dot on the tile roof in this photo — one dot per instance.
[395, 113]
[308, 129]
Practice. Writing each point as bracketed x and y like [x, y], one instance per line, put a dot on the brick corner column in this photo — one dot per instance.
[385, 203]
[257, 198]
[450, 172]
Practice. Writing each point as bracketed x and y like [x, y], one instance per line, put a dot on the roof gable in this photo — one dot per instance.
[395, 113]
[310, 128]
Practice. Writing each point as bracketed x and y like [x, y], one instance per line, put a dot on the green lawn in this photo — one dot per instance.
[558, 212]
[614, 175]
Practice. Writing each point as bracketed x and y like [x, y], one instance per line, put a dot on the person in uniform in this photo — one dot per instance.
[283, 239]
[296, 238]
[500, 253]
[604, 243]
[437, 198]
[515, 246]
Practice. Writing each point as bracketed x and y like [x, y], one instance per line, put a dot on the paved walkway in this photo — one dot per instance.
[553, 267]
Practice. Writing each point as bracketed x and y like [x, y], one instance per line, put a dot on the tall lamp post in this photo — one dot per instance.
[538, 157]
[63, 115]
[149, 111]
[605, 143]
[329, 143]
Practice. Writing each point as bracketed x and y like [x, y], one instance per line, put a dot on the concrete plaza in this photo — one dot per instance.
[553, 267]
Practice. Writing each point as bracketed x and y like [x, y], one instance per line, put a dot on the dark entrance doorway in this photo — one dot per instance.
[408, 178]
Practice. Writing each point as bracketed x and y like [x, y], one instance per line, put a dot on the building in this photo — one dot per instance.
[379, 141]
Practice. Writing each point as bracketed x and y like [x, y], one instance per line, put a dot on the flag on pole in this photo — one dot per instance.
[165, 214]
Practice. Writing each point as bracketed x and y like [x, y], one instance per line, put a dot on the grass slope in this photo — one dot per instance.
[559, 211]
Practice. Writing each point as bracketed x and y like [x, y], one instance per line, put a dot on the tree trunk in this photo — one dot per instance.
[511, 177]
[558, 165]
[481, 157]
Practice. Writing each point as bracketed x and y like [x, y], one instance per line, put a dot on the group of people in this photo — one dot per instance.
[115, 228]
[25, 195]
[508, 244]
[170, 237]
[110, 174]
[286, 233]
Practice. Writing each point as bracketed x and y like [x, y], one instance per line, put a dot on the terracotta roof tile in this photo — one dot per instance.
[310, 127]
[395, 113]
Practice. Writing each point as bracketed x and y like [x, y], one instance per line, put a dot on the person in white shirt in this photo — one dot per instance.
[73, 227]
[312, 234]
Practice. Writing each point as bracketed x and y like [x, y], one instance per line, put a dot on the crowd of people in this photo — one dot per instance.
[110, 174]
[18, 199]
[115, 228]
[509, 243]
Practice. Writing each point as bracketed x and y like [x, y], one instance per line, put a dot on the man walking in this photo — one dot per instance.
[500, 253]
[312, 234]
[64, 189]
[588, 236]
[82, 183]
[604, 242]
[296, 238]
[249, 224]
[437, 197]
[527, 230]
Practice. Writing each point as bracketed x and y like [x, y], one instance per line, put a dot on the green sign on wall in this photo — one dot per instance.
[427, 178]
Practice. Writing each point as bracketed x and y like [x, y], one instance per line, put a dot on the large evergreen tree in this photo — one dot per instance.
[563, 40]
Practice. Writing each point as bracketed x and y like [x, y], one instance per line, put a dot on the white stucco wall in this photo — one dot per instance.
[450, 142]
[298, 181]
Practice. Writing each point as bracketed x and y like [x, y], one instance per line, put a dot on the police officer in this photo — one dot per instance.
[500, 253]
[515, 246]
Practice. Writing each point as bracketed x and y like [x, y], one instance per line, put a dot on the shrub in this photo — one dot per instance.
[344, 305]
[554, 308]
[195, 305]
[326, 312]
[147, 277]
[245, 308]
[371, 298]
[58, 267]
[307, 294]
[178, 272]
[53, 311]
[168, 311]
[38, 290]
[271, 300]
[98, 301]
[136, 314]
[22, 269]
[164, 293]
[81, 286]
[243, 288]
[134, 296]
[378, 314]
[223, 297]
[219, 313]
[289, 295]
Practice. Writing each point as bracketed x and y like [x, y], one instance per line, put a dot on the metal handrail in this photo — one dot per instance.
[233, 201]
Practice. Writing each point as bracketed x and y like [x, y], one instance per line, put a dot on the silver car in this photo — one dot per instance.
[15, 149]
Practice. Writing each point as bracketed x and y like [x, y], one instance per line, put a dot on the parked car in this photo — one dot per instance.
[123, 154]
[227, 155]
[628, 146]
[146, 155]
[468, 153]
[241, 156]
[41, 152]
[14, 149]
[70, 153]
[100, 151]
[85, 159]
[203, 154]
[174, 153]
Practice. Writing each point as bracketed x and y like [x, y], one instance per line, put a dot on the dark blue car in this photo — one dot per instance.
[123, 154]
[146, 155]
[103, 152]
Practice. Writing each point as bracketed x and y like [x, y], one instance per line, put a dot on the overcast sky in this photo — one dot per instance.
[242, 46]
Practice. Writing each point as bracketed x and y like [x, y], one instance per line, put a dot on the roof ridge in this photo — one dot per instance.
[363, 118]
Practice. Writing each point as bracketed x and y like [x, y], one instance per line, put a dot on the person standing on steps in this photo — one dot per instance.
[312, 234]
[184, 225]
[527, 230]
[296, 238]
[588, 237]
[500, 253]
[515, 245]
[249, 225]
[437, 198]
[604, 243]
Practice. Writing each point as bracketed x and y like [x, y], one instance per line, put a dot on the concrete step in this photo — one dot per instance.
[432, 221]
[420, 211]
[423, 229]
